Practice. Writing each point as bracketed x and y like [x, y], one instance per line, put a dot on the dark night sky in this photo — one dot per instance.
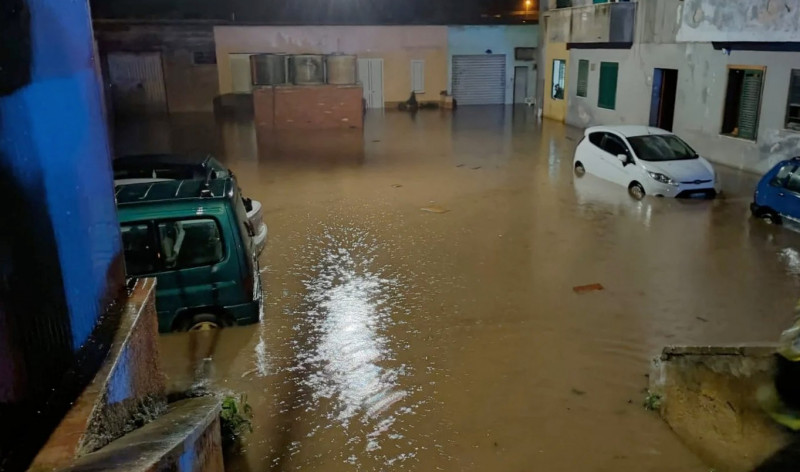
[308, 11]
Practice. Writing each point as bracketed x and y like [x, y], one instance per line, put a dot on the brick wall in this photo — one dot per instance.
[309, 107]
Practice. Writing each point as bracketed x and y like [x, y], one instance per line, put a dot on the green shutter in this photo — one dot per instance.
[608, 85]
[750, 104]
[583, 77]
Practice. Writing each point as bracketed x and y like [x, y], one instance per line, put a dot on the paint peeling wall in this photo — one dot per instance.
[740, 20]
[500, 40]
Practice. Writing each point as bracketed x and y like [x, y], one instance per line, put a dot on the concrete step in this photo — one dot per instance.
[185, 438]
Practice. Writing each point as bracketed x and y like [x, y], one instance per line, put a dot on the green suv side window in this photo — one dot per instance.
[138, 243]
[190, 243]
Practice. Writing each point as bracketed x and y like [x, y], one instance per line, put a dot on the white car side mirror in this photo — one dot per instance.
[622, 158]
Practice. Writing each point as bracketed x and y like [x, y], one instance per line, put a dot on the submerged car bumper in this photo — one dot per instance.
[684, 190]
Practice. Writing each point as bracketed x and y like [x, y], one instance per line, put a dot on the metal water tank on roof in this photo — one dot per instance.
[342, 69]
[307, 69]
[268, 69]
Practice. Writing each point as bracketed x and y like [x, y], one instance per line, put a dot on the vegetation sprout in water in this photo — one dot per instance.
[653, 401]
[235, 419]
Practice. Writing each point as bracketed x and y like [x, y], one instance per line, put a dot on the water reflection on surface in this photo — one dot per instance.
[347, 360]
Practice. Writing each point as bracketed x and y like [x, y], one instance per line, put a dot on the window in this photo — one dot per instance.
[596, 138]
[525, 54]
[607, 96]
[189, 243]
[559, 76]
[418, 76]
[137, 241]
[204, 57]
[614, 145]
[665, 147]
[793, 184]
[783, 175]
[742, 103]
[583, 78]
[793, 104]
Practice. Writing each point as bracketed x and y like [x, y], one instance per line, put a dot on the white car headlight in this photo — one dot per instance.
[663, 178]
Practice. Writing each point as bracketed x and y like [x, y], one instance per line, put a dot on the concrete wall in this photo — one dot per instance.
[657, 21]
[702, 84]
[189, 87]
[127, 391]
[556, 109]
[739, 20]
[396, 45]
[500, 40]
[709, 399]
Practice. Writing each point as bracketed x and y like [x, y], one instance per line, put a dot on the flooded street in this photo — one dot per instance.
[420, 312]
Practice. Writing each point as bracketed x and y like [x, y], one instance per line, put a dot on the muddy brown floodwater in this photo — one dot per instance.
[452, 339]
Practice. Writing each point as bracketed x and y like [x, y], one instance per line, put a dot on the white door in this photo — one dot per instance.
[241, 77]
[137, 82]
[370, 75]
[616, 171]
[479, 79]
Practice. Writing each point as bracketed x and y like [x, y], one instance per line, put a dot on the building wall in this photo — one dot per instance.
[556, 109]
[739, 20]
[702, 85]
[499, 39]
[189, 87]
[396, 45]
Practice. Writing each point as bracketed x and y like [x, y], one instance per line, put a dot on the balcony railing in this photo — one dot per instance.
[593, 24]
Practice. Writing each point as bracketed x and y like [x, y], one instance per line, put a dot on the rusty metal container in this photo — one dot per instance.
[341, 69]
[307, 69]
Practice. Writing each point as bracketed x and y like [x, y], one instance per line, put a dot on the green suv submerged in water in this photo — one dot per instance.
[195, 238]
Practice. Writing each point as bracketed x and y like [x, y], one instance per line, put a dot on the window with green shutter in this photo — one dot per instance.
[743, 103]
[607, 97]
[583, 78]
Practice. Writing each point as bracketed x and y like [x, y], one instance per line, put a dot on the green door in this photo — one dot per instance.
[607, 97]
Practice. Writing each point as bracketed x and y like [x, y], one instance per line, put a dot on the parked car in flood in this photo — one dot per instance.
[193, 236]
[777, 195]
[159, 167]
[646, 161]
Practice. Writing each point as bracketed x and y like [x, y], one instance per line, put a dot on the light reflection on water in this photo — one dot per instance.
[347, 363]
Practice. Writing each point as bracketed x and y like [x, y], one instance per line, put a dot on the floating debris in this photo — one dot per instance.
[434, 209]
[588, 288]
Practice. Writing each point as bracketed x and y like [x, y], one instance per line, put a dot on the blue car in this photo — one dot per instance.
[778, 193]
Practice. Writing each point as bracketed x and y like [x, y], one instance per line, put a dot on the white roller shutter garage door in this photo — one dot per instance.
[479, 79]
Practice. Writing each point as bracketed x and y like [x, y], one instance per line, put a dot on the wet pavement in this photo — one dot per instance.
[450, 338]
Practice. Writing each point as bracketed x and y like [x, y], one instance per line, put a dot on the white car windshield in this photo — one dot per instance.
[661, 147]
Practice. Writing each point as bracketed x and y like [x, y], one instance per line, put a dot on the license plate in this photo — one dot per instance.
[697, 195]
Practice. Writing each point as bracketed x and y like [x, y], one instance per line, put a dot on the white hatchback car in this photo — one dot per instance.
[645, 160]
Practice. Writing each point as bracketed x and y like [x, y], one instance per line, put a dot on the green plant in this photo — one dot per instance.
[652, 401]
[235, 419]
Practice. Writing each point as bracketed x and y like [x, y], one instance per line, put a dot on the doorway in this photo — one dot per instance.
[137, 82]
[520, 84]
[662, 104]
[370, 74]
[241, 76]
